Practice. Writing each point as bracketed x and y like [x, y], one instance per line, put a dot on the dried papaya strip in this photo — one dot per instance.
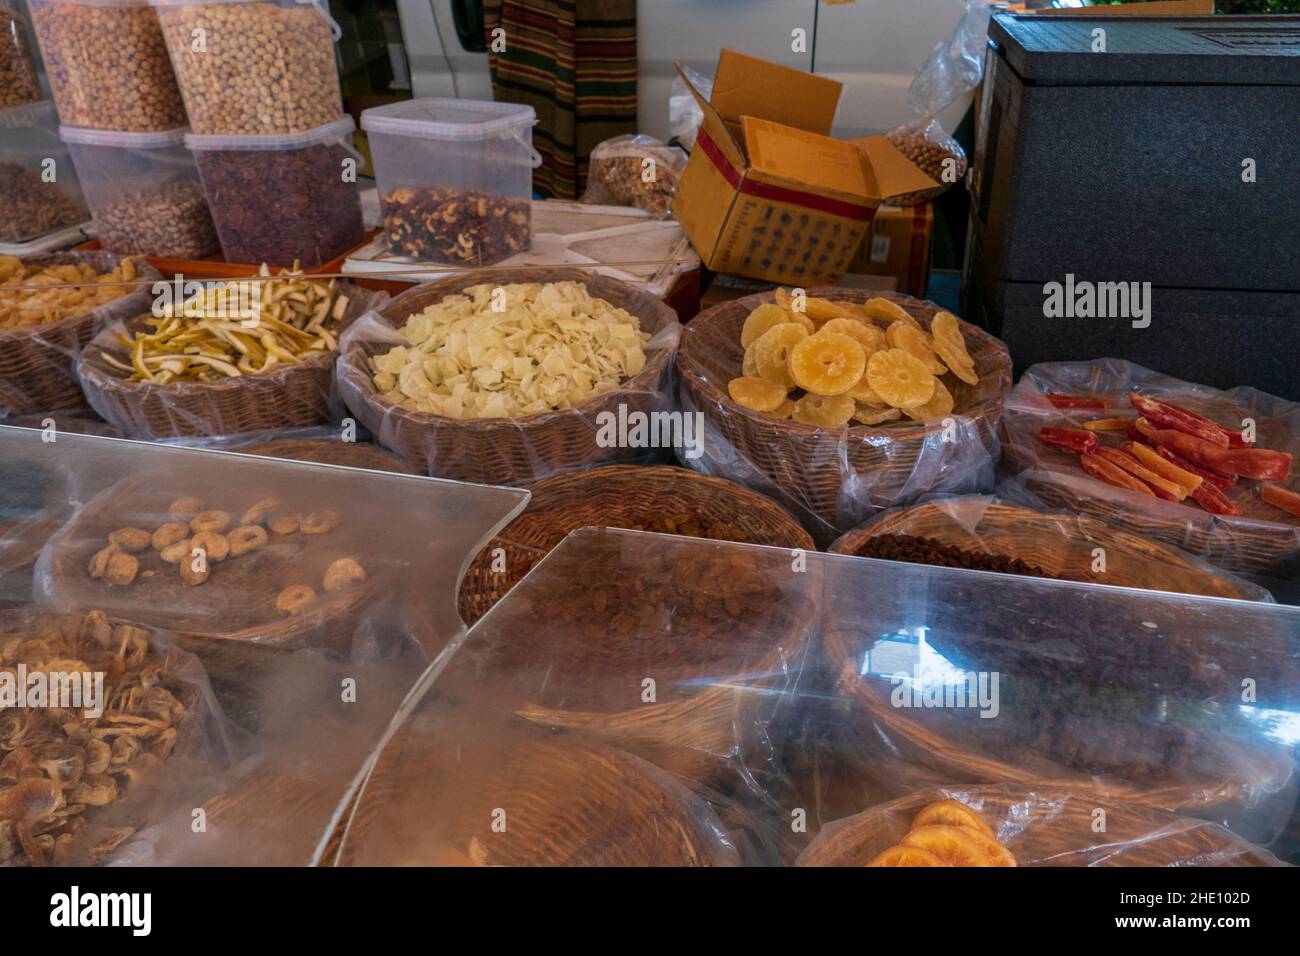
[1108, 424]
[1214, 501]
[1184, 479]
[1279, 497]
[1101, 469]
[1071, 439]
[1162, 487]
[1222, 482]
[1166, 415]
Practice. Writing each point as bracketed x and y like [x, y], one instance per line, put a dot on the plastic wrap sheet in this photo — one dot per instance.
[307, 693]
[637, 171]
[599, 430]
[1170, 712]
[300, 395]
[1263, 541]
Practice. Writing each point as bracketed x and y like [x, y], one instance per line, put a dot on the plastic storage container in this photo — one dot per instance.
[108, 64]
[143, 191]
[19, 83]
[302, 177]
[39, 192]
[253, 66]
[454, 177]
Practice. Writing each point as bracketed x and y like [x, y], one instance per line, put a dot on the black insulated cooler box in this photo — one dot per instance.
[1170, 157]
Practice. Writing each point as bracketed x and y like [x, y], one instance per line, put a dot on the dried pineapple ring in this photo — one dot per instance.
[871, 415]
[785, 409]
[760, 320]
[900, 378]
[951, 347]
[912, 340]
[749, 364]
[907, 856]
[960, 846]
[864, 394]
[939, 406]
[827, 363]
[800, 319]
[868, 336]
[826, 411]
[952, 813]
[887, 311]
[772, 352]
[823, 310]
[757, 394]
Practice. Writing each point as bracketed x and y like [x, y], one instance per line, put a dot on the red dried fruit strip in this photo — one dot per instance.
[1214, 501]
[1197, 450]
[1077, 401]
[1186, 480]
[1108, 424]
[1280, 497]
[1112, 475]
[1071, 439]
[1222, 482]
[1162, 487]
[1164, 415]
[1259, 464]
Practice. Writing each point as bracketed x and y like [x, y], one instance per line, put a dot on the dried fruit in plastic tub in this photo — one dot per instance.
[760, 320]
[906, 856]
[952, 813]
[827, 363]
[959, 846]
[772, 352]
[900, 378]
[756, 394]
[939, 406]
[874, 414]
[868, 336]
[912, 340]
[945, 334]
[887, 311]
[825, 411]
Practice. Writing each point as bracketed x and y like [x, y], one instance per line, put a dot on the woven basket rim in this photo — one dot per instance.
[353, 356]
[898, 431]
[147, 274]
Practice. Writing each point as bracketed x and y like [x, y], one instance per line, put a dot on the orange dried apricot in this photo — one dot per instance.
[959, 846]
[827, 363]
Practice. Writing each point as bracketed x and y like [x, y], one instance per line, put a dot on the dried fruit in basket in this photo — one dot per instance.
[1070, 439]
[914, 342]
[906, 856]
[937, 408]
[1168, 415]
[1068, 402]
[948, 342]
[1280, 497]
[875, 414]
[1166, 469]
[825, 411]
[887, 311]
[32, 295]
[960, 846]
[1162, 487]
[1104, 470]
[772, 352]
[827, 364]
[756, 394]
[900, 378]
[1213, 500]
[1256, 463]
[868, 336]
[760, 320]
[952, 813]
[823, 310]
[1108, 424]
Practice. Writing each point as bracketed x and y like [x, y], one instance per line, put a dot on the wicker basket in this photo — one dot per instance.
[507, 451]
[346, 454]
[836, 478]
[1047, 827]
[37, 364]
[291, 396]
[568, 804]
[1059, 544]
[617, 496]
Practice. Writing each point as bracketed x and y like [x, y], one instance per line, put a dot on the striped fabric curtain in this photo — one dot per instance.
[574, 62]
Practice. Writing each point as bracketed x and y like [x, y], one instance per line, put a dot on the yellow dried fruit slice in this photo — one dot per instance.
[749, 364]
[792, 316]
[938, 407]
[912, 340]
[785, 409]
[868, 336]
[785, 299]
[900, 378]
[952, 813]
[827, 363]
[772, 352]
[959, 846]
[875, 415]
[760, 320]
[827, 411]
[887, 311]
[945, 333]
[823, 310]
[757, 394]
[906, 856]
[864, 394]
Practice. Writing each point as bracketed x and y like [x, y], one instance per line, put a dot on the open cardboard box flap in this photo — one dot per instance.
[747, 86]
[889, 172]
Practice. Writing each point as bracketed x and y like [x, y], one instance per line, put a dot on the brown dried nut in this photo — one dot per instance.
[122, 569]
[449, 225]
[183, 509]
[342, 574]
[99, 563]
[214, 546]
[217, 521]
[176, 551]
[168, 534]
[191, 577]
[246, 538]
[284, 522]
[258, 512]
[319, 522]
[130, 539]
[294, 598]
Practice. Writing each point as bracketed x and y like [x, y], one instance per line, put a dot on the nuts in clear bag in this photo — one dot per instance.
[934, 152]
[636, 171]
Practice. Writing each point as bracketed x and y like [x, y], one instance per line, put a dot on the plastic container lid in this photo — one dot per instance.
[337, 131]
[29, 115]
[85, 136]
[448, 119]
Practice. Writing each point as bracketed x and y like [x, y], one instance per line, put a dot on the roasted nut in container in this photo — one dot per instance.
[18, 82]
[39, 192]
[448, 225]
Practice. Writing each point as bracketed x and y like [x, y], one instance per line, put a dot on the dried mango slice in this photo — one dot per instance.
[875, 415]
[887, 311]
[907, 856]
[952, 813]
[760, 320]
[948, 342]
[959, 846]
[938, 407]
[868, 336]
[826, 411]
[757, 394]
[912, 340]
[772, 352]
[827, 364]
[900, 378]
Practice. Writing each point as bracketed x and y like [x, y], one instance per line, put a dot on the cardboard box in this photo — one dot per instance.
[898, 245]
[767, 193]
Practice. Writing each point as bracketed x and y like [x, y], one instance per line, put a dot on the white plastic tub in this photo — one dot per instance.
[455, 178]
[39, 193]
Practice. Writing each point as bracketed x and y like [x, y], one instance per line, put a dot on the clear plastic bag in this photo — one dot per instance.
[637, 171]
[684, 113]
